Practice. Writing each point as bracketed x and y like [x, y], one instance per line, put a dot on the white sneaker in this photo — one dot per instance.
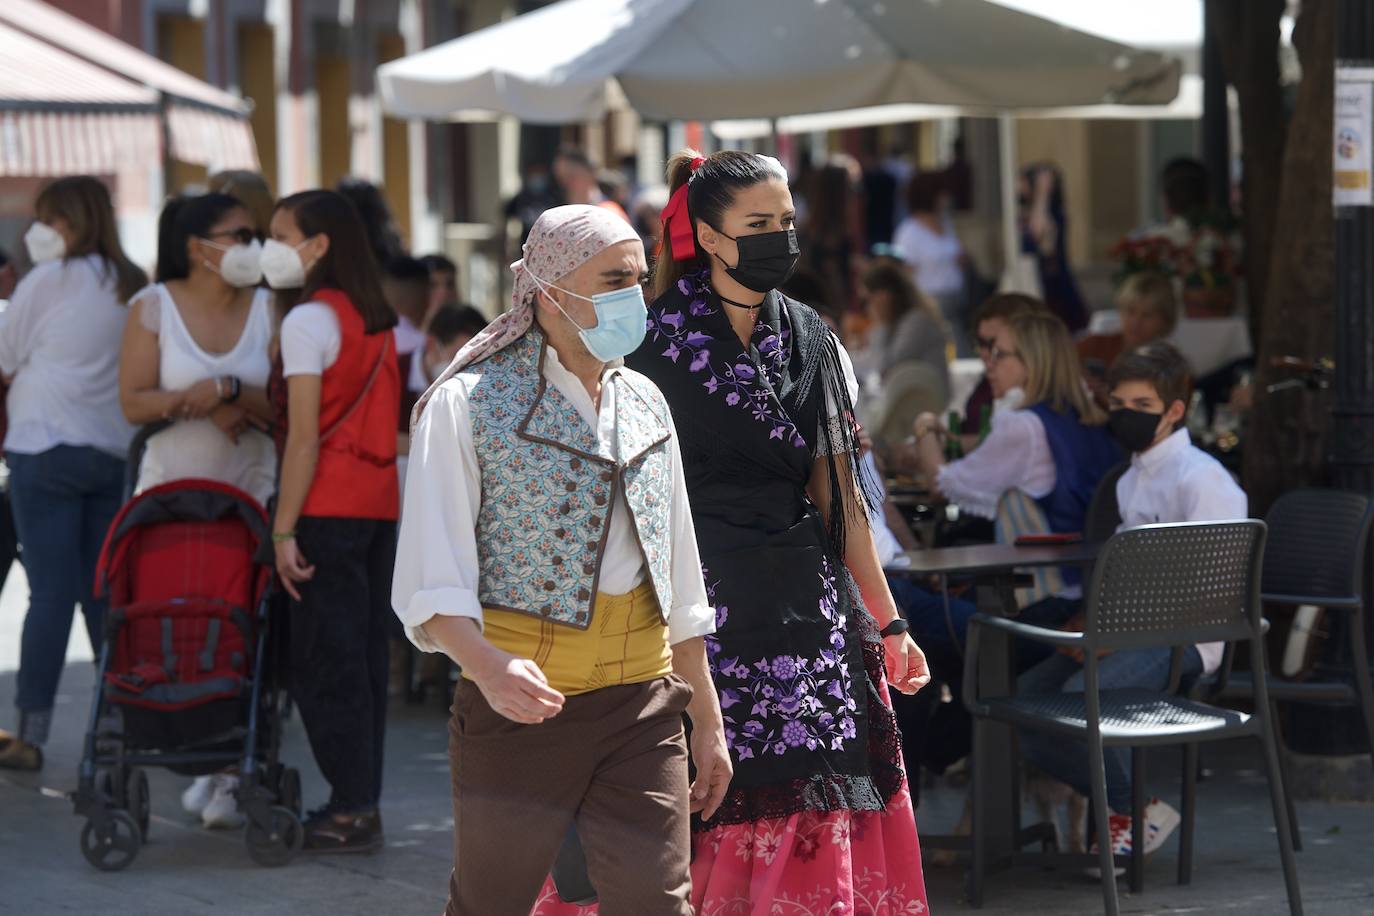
[1161, 820]
[223, 809]
[197, 795]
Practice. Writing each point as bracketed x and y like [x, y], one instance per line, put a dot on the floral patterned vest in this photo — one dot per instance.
[548, 486]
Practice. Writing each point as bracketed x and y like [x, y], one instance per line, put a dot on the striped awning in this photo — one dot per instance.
[60, 115]
[76, 100]
[35, 73]
[56, 27]
[53, 143]
[210, 138]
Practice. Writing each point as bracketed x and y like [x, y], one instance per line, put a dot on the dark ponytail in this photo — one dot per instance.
[711, 190]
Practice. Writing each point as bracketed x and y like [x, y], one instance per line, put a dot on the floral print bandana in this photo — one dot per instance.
[561, 240]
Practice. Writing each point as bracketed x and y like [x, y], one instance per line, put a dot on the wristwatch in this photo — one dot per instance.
[897, 627]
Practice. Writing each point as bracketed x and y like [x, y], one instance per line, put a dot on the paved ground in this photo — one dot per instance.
[186, 871]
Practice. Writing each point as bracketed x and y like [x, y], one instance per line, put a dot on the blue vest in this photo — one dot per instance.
[1082, 457]
[548, 486]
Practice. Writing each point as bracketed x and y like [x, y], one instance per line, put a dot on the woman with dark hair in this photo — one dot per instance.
[907, 325]
[808, 637]
[197, 351]
[335, 525]
[383, 235]
[66, 440]
[829, 230]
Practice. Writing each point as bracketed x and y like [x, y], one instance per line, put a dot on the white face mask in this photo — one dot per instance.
[241, 265]
[282, 265]
[44, 243]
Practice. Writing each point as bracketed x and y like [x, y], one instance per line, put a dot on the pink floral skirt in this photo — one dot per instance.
[814, 863]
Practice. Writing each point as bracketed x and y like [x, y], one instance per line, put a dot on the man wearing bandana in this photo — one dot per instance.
[547, 546]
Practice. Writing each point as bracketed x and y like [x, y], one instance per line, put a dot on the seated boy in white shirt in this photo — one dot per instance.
[1169, 480]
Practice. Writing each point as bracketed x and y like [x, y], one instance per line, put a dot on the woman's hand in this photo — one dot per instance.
[292, 567]
[200, 400]
[231, 420]
[927, 424]
[906, 663]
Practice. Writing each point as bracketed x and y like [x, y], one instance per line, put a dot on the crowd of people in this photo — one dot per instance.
[270, 345]
[609, 512]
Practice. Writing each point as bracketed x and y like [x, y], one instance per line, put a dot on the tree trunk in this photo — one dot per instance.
[1248, 37]
[1285, 445]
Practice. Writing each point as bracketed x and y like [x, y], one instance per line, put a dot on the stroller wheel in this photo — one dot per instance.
[277, 842]
[110, 841]
[289, 790]
[139, 800]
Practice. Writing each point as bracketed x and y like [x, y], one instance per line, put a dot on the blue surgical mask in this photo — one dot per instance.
[621, 320]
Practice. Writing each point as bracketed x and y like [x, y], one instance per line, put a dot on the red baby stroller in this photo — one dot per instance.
[192, 661]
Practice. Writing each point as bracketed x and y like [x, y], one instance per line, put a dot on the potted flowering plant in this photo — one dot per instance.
[1202, 255]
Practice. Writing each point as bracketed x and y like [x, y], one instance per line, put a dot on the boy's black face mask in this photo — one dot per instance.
[1134, 429]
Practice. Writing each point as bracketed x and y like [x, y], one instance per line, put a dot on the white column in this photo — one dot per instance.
[1011, 236]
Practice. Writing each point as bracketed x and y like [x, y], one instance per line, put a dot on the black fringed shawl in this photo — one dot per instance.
[796, 659]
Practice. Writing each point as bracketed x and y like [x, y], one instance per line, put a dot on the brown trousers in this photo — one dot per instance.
[614, 760]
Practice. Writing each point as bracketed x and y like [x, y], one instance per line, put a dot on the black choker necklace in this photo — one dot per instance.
[738, 305]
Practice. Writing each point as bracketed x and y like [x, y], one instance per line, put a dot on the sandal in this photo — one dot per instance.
[17, 754]
[329, 833]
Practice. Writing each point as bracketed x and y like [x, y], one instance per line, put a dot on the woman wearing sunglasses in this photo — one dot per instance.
[196, 350]
[1054, 447]
[196, 353]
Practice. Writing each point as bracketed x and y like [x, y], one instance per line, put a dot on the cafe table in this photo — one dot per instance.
[994, 569]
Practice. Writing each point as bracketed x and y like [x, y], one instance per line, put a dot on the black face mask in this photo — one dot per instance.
[766, 260]
[1134, 429]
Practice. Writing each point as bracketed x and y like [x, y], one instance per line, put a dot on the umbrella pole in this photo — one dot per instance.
[1011, 236]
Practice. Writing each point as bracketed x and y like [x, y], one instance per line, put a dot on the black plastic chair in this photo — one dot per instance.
[1152, 587]
[1104, 515]
[1316, 554]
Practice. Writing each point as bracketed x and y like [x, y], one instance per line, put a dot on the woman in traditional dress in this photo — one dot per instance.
[818, 818]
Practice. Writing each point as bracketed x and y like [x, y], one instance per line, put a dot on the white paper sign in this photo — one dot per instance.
[1351, 181]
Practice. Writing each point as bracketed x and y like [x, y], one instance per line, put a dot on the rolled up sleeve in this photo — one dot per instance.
[1015, 456]
[692, 615]
[436, 555]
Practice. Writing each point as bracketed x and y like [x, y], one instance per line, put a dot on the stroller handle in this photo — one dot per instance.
[137, 448]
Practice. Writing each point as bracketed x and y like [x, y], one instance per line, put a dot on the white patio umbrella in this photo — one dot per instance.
[723, 59]
[718, 59]
[1187, 106]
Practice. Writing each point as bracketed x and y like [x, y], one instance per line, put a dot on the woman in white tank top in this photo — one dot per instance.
[196, 351]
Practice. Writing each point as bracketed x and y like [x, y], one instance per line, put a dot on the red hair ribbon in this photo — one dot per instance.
[677, 225]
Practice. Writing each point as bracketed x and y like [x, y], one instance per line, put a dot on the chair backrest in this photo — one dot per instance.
[1317, 544]
[1104, 513]
[909, 390]
[1175, 585]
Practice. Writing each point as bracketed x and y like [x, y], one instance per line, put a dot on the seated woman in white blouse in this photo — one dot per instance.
[1054, 448]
